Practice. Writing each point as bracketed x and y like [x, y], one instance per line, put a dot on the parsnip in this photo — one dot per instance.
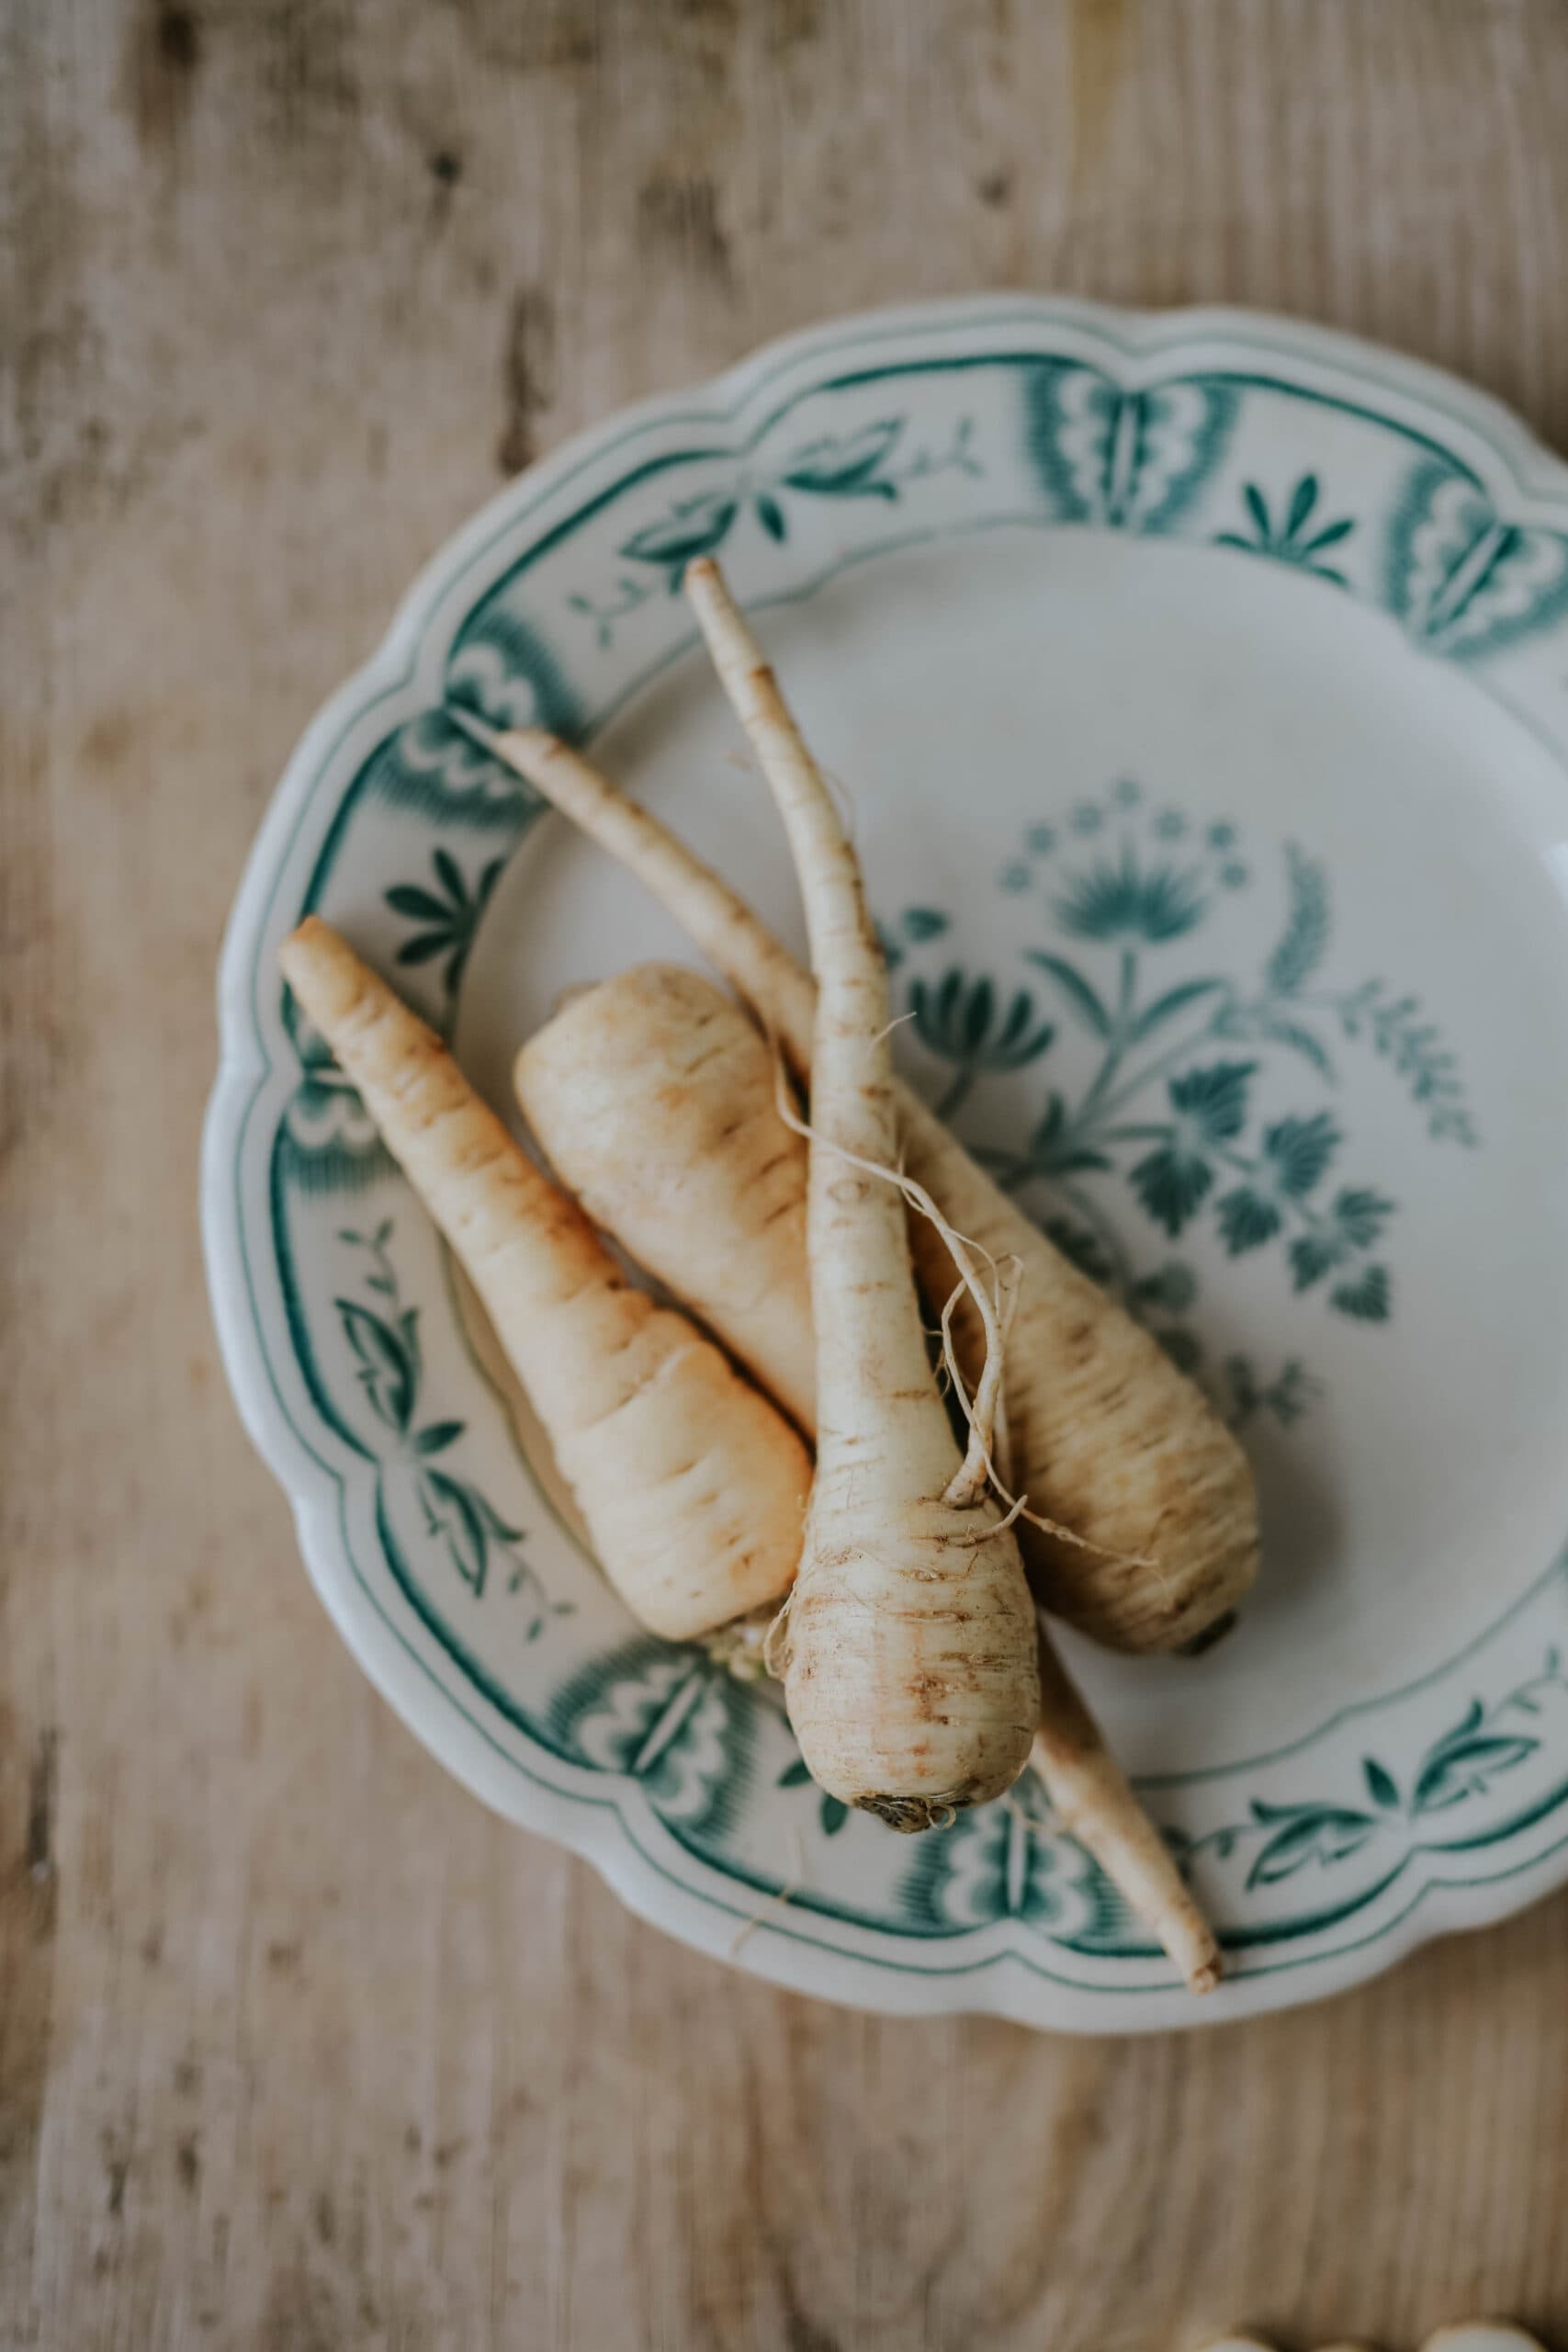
[907, 1646]
[653, 1095]
[1092, 1798]
[1107, 1437]
[693, 1486]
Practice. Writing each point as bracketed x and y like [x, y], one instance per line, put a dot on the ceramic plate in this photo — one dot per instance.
[1200, 683]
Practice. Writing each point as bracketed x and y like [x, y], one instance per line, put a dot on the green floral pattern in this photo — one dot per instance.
[1167, 1117]
[1293, 532]
[445, 913]
[1279, 1839]
[383, 1339]
[671, 1721]
[858, 465]
[1127, 458]
[971, 1027]
[1009, 1861]
[1465, 581]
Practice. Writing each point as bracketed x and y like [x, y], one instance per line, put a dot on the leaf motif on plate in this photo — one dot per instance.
[387, 1372]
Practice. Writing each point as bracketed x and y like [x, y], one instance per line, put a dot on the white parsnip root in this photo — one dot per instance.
[653, 1095]
[693, 1486]
[1093, 1800]
[1107, 1438]
[907, 1647]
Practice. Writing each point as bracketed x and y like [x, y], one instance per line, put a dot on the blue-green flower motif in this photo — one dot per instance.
[1368, 1296]
[1014, 876]
[958, 1019]
[671, 1718]
[1361, 1215]
[964, 1021]
[1465, 1761]
[1465, 580]
[1007, 1861]
[433, 767]
[1297, 1153]
[1157, 1114]
[835, 465]
[328, 1143]
[1125, 459]
[384, 1344]
[1400, 1033]
[847, 465]
[913, 928]
[1312, 1255]
[870, 463]
[1087, 818]
[1286, 1397]
[1121, 901]
[1294, 538]
[1041, 839]
[605, 612]
[694, 526]
[502, 672]
[1353, 1225]
[1172, 1184]
[1173, 1181]
[449, 914]
[1300, 1834]
[1303, 942]
[1317, 1833]
[1247, 1219]
[1126, 792]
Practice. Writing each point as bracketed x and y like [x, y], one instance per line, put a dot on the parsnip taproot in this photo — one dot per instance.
[907, 1644]
[1107, 1437]
[693, 1486]
[1092, 1798]
[653, 1095]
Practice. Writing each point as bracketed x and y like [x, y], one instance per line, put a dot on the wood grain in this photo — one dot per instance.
[285, 287]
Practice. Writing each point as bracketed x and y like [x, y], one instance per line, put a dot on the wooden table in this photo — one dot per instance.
[289, 286]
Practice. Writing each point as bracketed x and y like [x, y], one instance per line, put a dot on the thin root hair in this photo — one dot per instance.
[970, 1479]
[779, 1902]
